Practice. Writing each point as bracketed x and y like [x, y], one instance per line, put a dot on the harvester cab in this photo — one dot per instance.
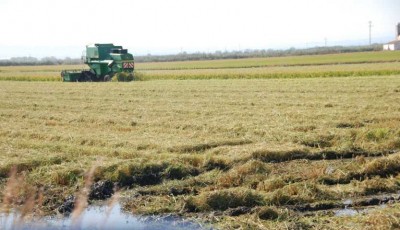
[105, 61]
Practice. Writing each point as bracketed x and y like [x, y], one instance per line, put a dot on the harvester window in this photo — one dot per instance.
[119, 51]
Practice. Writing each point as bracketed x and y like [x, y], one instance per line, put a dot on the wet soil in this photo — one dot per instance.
[357, 203]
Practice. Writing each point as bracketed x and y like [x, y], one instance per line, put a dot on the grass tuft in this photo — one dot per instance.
[224, 199]
[279, 156]
[298, 193]
[383, 167]
[268, 213]
[178, 172]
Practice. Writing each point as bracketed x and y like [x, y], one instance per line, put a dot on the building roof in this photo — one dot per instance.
[394, 42]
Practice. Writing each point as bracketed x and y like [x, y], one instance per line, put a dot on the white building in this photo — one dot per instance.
[393, 45]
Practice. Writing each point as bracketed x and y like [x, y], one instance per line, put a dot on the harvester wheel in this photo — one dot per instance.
[131, 77]
[107, 78]
[87, 76]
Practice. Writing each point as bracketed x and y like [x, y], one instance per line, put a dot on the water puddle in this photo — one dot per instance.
[347, 212]
[98, 217]
[351, 211]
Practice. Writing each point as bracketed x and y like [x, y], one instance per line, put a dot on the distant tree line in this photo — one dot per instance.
[183, 56]
[15, 61]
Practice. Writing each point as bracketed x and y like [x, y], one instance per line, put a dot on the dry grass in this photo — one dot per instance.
[215, 145]
[224, 199]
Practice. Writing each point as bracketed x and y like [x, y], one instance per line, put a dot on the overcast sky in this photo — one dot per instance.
[63, 27]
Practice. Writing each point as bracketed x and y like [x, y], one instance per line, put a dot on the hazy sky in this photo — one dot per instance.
[63, 27]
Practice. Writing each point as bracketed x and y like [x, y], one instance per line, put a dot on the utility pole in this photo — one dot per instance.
[370, 27]
[326, 41]
[398, 31]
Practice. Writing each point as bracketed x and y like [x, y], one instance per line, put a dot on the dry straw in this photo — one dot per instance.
[82, 199]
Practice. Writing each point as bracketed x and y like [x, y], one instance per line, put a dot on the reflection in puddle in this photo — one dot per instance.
[352, 212]
[346, 212]
[98, 217]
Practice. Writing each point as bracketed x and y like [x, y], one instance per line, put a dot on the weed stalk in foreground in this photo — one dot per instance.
[82, 199]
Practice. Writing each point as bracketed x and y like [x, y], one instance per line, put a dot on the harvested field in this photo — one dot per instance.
[249, 153]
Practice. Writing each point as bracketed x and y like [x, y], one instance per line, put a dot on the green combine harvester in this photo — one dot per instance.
[105, 61]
